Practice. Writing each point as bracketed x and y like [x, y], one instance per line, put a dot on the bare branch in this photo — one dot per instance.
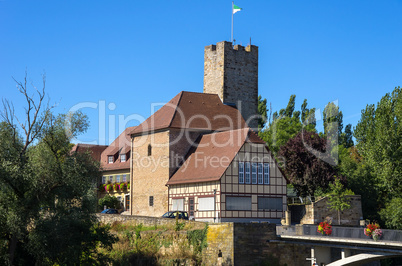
[33, 111]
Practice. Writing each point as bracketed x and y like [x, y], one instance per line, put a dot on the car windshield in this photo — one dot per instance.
[167, 215]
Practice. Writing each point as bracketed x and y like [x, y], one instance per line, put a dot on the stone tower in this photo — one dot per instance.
[232, 73]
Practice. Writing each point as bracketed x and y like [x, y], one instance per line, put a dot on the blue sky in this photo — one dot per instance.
[125, 55]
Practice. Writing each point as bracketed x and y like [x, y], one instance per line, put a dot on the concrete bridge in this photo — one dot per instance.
[345, 246]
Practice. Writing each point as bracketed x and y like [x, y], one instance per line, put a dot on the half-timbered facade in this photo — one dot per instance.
[230, 177]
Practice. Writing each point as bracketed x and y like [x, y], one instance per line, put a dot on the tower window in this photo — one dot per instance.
[149, 150]
[151, 201]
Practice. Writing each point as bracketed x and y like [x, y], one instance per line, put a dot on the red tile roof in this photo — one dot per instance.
[121, 145]
[94, 150]
[191, 110]
[213, 154]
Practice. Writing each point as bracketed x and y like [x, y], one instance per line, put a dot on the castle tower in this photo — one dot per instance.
[232, 73]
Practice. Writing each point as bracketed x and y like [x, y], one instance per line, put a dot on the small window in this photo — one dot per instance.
[111, 179]
[103, 179]
[151, 201]
[266, 173]
[241, 172]
[254, 173]
[110, 159]
[247, 173]
[122, 158]
[260, 173]
[149, 150]
[118, 179]
[124, 178]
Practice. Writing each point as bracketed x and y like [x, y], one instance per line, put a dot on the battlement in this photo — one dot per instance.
[227, 46]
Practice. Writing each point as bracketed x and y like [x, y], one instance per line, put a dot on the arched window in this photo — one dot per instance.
[149, 150]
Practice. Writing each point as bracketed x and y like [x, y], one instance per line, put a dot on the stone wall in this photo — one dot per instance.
[319, 210]
[144, 220]
[232, 73]
[231, 243]
[220, 250]
[251, 244]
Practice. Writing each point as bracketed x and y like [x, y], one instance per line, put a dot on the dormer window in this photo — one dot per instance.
[110, 159]
[122, 158]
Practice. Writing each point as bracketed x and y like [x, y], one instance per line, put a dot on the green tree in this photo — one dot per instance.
[379, 136]
[47, 200]
[109, 202]
[262, 111]
[337, 198]
[347, 137]
[392, 214]
[333, 120]
[360, 180]
[287, 124]
[291, 106]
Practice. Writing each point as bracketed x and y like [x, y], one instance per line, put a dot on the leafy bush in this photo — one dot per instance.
[109, 202]
[392, 214]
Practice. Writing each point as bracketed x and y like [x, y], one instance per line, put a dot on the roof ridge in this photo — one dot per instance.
[175, 111]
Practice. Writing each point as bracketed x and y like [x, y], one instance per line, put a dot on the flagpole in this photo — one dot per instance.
[232, 24]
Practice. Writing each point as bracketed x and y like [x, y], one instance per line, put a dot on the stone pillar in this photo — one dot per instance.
[287, 217]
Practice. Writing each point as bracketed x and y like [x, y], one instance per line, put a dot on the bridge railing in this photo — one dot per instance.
[337, 231]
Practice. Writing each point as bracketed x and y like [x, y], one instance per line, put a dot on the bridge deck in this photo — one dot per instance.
[345, 241]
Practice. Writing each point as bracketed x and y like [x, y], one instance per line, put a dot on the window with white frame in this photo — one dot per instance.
[247, 173]
[266, 173]
[178, 205]
[254, 173]
[122, 158]
[270, 204]
[118, 179]
[103, 179]
[241, 172]
[260, 173]
[238, 203]
[124, 178]
[206, 204]
[110, 158]
[111, 178]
